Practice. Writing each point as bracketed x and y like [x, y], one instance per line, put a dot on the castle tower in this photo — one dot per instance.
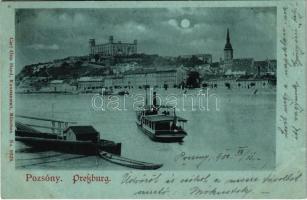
[134, 49]
[91, 44]
[228, 51]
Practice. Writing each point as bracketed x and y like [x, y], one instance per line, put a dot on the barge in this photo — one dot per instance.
[159, 123]
[83, 140]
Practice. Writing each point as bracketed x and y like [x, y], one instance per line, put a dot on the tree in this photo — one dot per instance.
[194, 61]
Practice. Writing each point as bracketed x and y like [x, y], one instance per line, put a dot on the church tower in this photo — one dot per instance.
[228, 51]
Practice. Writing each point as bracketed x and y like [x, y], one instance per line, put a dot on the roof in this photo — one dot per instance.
[114, 43]
[56, 81]
[141, 71]
[243, 61]
[266, 66]
[230, 72]
[149, 107]
[166, 70]
[242, 64]
[197, 55]
[157, 118]
[78, 130]
[89, 79]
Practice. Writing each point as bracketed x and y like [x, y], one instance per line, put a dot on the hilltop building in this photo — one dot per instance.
[81, 133]
[247, 73]
[240, 66]
[266, 67]
[244, 81]
[111, 48]
[231, 66]
[205, 58]
[58, 86]
[228, 50]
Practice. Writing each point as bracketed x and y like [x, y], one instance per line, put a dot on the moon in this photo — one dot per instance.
[185, 23]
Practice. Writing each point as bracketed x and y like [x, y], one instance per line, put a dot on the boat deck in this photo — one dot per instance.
[162, 118]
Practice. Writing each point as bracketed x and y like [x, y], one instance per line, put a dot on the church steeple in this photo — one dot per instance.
[228, 44]
[228, 38]
[228, 51]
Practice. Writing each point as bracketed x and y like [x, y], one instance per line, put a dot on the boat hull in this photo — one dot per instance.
[36, 134]
[167, 137]
[128, 162]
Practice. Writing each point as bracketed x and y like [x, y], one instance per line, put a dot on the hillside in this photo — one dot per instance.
[71, 68]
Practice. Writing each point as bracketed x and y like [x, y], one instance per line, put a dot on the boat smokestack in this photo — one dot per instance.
[154, 99]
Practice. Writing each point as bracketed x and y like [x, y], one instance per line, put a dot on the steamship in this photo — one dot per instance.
[160, 123]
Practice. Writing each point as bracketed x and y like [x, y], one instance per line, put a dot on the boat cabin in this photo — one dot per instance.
[81, 133]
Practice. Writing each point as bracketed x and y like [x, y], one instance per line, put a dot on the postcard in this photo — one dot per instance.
[153, 100]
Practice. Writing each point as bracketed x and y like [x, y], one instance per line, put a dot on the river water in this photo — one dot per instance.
[235, 131]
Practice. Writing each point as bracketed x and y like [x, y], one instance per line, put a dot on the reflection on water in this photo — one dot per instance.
[242, 132]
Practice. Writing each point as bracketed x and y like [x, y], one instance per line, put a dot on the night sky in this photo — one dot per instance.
[46, 34]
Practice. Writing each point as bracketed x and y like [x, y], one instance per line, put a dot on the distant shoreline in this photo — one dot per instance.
[161, 90]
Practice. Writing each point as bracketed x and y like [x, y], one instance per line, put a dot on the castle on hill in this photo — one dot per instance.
[112, 48]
